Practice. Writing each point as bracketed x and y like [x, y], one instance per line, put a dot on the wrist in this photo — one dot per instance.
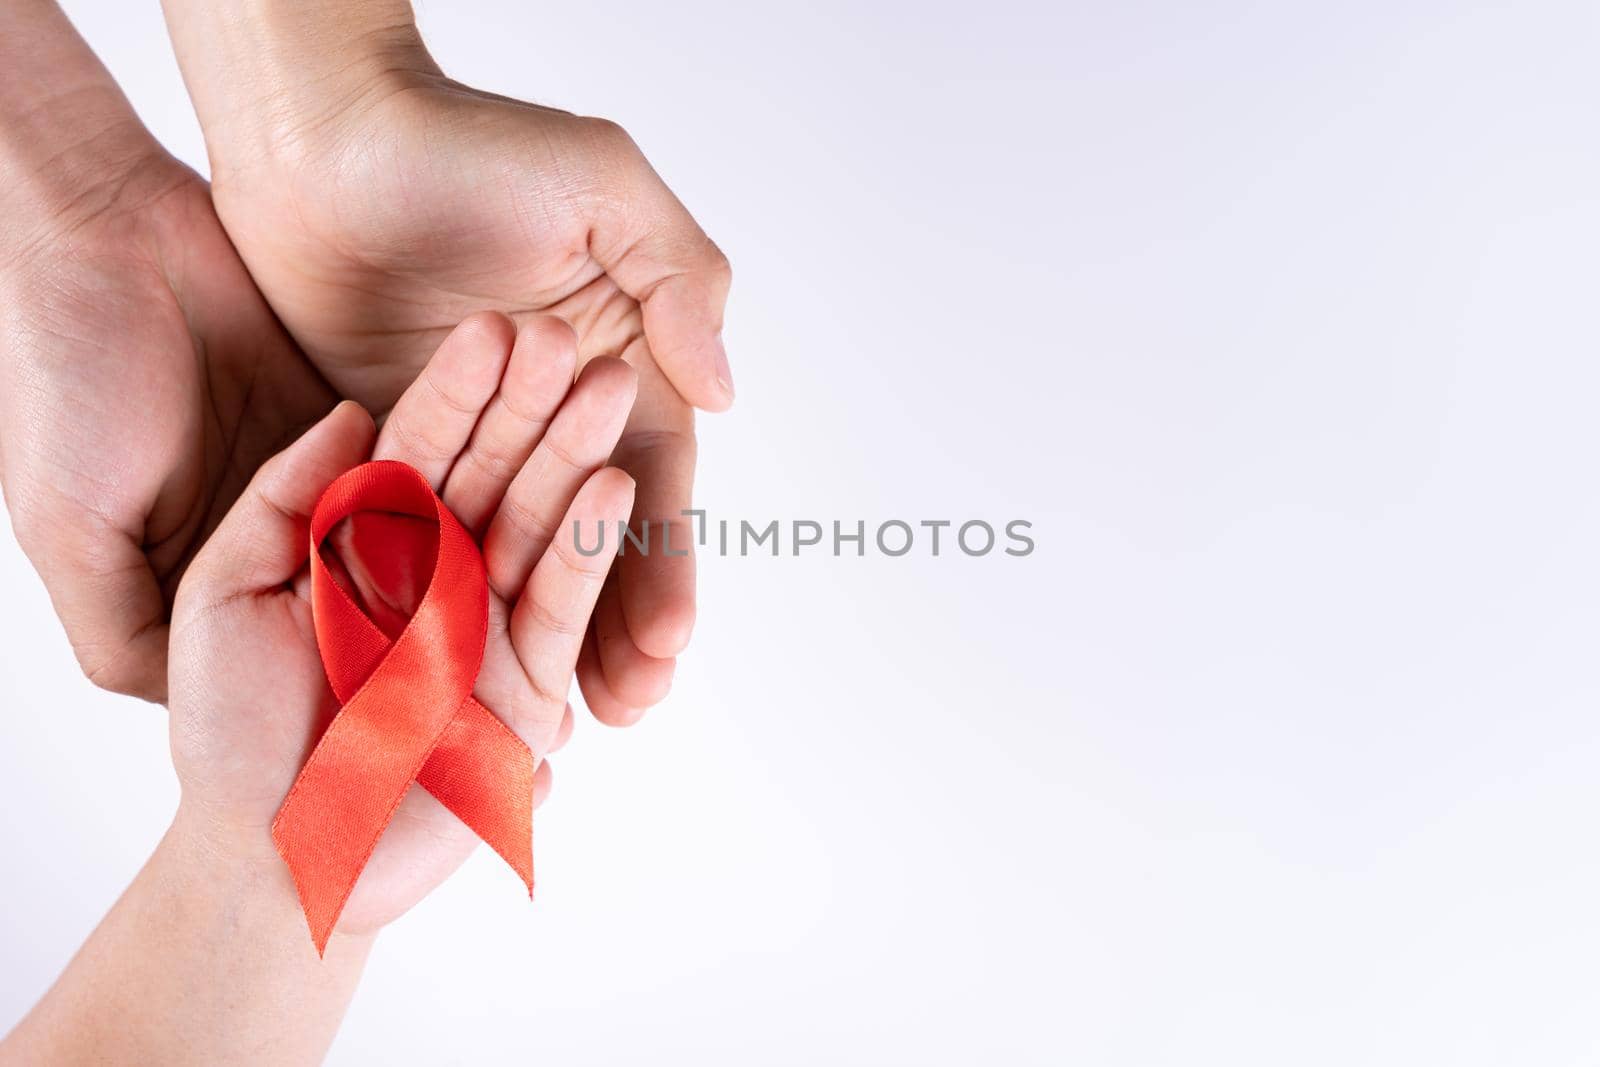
[201, 961]
[267, 77]
[69, 140]
[212, 870]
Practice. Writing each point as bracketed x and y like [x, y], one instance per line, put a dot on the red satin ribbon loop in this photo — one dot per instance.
[406, 708]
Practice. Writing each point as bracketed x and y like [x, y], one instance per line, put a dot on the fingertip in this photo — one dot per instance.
[137, 669]
[619, 716]
[657, 594]
[612, 377]
[551, 335]
[611, 489]
[719, 391]
[563, 732]
[339, 440]
[662, 630]
[352, 419]
[606, 708]
[633, 677]
[435, 417]
[260, 543]
[484, 331]
[470, 361]
[683, 322]
[544, 358]
[703, 378]
[543, 782]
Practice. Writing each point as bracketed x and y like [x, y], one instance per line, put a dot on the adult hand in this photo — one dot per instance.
[377, 202]
[143, 378]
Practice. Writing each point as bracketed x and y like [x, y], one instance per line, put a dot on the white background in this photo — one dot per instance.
[1278, 321]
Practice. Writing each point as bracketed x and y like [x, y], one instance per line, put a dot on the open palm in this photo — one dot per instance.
[494, 426]
[121, 307]
[432, 200]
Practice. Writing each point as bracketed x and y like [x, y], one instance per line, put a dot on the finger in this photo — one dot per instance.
[543, 780]
[263, 540]
[433, 419]
[603, 704]
[540, 371]
[634, 678]
[656, 253]
[579, 439]
[552, 615]
[101, 585]
[563, 732]
[657, 587]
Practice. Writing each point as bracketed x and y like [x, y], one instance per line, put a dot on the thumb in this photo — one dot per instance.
[105, 594]
[653, 249]
[262, 542]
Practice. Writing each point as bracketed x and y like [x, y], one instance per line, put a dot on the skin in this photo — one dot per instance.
[123, 293]
[376, 202]
[121, 296]
[146, 378]
[206, 958]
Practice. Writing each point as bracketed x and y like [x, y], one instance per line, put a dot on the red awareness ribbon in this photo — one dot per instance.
[406, 708]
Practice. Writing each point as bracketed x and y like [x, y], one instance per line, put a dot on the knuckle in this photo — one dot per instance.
[667, 454]
[720, 268]
[123, 669]
[450, 396]
[542, 715]
[546, 620]
[563, 454]
[589, 569]
[415, 442]
[33, 510]
[27, 526]
[526, 519]
[111, 675]
[531, 717]
[611, 136]
[495, 463]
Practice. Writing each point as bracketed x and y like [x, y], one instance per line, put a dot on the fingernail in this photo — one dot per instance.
[724, 372]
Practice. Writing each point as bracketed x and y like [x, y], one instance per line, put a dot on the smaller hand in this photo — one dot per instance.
[516, 451]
